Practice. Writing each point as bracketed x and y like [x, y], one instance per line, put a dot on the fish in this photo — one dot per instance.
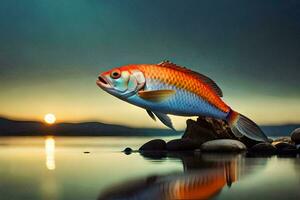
[203, 182]
[167, 88]
[198, 184]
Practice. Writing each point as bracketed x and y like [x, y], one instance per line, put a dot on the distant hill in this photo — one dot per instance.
[32, 128]
[279, 130]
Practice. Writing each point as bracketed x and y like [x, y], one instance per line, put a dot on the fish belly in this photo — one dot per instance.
[182, 103]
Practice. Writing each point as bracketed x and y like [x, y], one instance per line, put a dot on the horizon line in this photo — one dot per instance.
[120, 124]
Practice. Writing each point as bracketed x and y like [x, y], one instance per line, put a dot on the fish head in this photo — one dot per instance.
[122, 82]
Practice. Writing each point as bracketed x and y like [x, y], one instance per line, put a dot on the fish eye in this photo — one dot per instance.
[115, 74]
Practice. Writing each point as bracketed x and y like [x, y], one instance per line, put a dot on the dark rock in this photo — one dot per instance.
[199, 132]
[223, 145]
[197, 151]
[295, 136]
[284, 145]
[182, 145]
[206, 129]
[288, 152]
[154, 145]
[286, 148]
[127, 150]
[263, 148]
[220, 127]
[282, 140]
[248, 142]
[86, 152]
[158, 155]
[270, 140]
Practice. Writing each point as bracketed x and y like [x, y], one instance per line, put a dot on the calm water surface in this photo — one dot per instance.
[57, 168]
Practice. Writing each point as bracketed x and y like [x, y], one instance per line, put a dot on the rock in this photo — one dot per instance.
[284, 145]
[248, 142]
[206, 129]
[288, 152]
[199, 132]
[154, 154]
[282, 140]
[127, 150]
[263, 148]
[270, 140]
[154, 145]
[197, 151]
[86, 152]
[295, 136]
[298, 147]
[181, 145]
[223, 145]
[286, 148]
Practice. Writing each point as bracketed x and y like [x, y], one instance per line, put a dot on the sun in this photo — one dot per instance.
[50, 118]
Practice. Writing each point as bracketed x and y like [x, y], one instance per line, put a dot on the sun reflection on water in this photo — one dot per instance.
[50, 152]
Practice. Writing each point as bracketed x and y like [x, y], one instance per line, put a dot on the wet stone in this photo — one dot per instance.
[282, 139]
[181, 145]
[223, 145]
[286, 148]
[263, 148]
[127, 150]
[298, 148]
[154, 145]
[295, 136]
[158, 155]
[197, 151]
[284, 145]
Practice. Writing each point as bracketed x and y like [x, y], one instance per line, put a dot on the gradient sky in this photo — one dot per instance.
[52, 51]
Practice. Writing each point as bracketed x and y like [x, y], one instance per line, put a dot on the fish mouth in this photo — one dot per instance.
[103, 82]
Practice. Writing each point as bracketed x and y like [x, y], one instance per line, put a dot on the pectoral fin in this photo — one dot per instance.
[156, 95]
[150, 113]
[165, 119]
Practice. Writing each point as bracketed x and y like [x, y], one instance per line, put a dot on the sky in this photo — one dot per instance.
[52, 51]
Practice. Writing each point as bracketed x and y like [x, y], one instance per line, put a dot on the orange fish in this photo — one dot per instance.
[204, 183]
[166, 88]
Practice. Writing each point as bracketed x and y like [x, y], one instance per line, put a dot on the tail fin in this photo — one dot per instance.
[242, 126]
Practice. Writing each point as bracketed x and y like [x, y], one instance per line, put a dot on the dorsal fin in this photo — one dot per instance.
[204, 78]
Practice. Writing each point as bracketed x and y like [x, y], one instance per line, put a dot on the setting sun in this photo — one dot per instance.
[50, 118]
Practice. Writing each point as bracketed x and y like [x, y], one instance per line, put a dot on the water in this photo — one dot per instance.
[57, 168]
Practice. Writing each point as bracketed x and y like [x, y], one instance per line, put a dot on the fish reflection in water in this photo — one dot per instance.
[203, 179]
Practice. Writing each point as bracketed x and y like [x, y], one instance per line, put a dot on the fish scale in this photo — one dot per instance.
[186, 101]
[185, 81]
[183, 103]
